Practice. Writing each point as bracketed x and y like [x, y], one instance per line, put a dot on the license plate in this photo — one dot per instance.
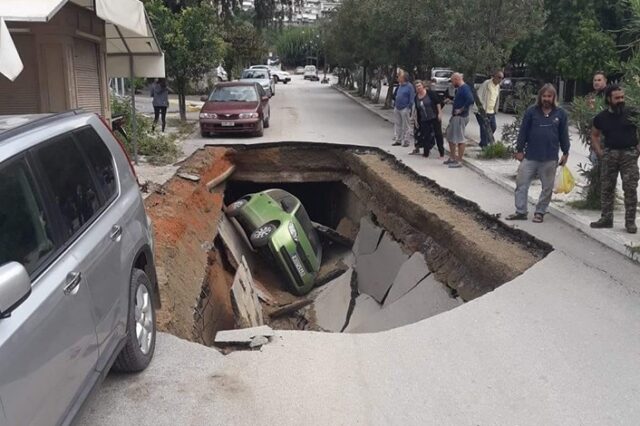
[298, 265]
[228, 123]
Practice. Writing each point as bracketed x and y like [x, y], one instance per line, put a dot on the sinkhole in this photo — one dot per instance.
[396, 247]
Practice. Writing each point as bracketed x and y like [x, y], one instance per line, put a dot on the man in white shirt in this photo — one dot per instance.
[489, 95]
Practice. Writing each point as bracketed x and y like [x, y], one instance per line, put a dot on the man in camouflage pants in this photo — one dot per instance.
[620, 155]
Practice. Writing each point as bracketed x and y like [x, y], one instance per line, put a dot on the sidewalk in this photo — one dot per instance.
[503, 173]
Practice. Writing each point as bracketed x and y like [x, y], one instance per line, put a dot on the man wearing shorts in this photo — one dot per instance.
[462, 103]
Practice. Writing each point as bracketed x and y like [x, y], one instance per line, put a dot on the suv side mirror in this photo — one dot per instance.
[15, 287]
[204, 98]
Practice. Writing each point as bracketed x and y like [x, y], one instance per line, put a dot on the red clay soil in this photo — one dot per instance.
[185, 219]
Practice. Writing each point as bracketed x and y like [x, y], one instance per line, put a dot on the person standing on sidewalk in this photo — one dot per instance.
[425, 115]
[620, 155]
[544, 131]
[462, 102]
[437, 127]
[160, 95]
[402, 111]
[489, 96]
[596, 101]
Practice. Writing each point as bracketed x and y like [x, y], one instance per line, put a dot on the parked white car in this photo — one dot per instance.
[311, 73]
[262, 77]
[277, 74]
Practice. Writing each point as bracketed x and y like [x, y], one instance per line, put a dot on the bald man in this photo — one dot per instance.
[462, 103]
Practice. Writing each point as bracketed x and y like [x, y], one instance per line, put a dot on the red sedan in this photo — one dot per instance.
[235, 107]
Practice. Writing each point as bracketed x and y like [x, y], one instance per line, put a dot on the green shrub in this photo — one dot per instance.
[159, 148]
[496, 150]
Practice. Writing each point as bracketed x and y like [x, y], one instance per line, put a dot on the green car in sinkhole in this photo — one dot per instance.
[276, 220]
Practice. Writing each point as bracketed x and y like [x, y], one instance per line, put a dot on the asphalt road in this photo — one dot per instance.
[558, 345]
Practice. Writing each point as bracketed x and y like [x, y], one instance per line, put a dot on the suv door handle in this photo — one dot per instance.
[73, 281]
[116, 233]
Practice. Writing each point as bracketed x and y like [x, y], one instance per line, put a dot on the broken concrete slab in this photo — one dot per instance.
[332, 304]
[365, 308]
[243, 335]
[235, 242]
[377, 271]
[368, 237]
[411, 273]
[244, 299]
[428, 298]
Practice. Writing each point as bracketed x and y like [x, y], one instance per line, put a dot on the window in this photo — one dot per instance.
[25, 235]
[234, 94]
[71, 183]
[308, 228]
[100, 160]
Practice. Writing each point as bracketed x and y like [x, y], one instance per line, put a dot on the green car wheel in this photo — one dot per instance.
[260, 237]
[234, 208]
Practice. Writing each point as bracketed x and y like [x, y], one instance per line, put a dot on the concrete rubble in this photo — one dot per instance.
[246, 306]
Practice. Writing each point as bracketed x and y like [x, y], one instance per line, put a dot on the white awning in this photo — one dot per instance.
[10, 63]
[128, 33]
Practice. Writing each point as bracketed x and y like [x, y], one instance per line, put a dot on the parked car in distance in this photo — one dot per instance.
[311, 73]
[262, 77]
[235, 107]
[513, 88]
[276, 220]
[78, 287]
[441, 78]
[299, 71]
[277, 74]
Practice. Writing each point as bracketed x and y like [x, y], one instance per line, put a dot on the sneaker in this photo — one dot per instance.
[602, 223]
[416, 151]
[396, 144]
[448, 161]
[405, 145]
[631, 227]
[454, 165]
[517, 216]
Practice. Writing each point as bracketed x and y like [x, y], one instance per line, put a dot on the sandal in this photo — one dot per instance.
[538, 218]
[517, 216]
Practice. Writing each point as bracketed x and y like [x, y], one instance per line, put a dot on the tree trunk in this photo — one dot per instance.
[182, 104]
[391, 80]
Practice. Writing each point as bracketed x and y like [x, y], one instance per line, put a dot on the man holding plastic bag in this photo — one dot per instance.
[543, 133]
[619, 155]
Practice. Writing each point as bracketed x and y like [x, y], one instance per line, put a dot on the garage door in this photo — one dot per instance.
[88, 95]
[21, 96]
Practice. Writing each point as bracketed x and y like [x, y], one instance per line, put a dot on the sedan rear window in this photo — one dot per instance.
[234, 94]
[443, 74]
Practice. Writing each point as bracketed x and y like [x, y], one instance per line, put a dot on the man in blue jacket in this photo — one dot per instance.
[405, 95]
[543, 133]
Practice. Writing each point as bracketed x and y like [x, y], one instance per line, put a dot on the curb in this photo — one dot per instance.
[558, 212]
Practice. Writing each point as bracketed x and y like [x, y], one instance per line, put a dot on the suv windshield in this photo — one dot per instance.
[442, 74]
[256, 73]
[234, 94]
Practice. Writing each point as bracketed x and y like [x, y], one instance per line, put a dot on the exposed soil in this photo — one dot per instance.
[467, 249]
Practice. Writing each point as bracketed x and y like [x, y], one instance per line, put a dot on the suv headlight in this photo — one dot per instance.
[208, 115]
[293, 231]
[248, 115]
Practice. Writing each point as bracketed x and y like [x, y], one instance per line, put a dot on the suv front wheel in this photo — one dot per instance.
[141, 326]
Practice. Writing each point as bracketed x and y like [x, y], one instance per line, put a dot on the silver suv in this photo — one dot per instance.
[78, 287]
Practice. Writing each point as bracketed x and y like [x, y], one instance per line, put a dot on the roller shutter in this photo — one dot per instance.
[22, 96]
[87, 75]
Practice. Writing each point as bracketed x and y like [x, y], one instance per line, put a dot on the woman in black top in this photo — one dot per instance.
[428, 129]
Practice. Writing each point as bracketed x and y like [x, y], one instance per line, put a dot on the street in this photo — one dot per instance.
[557, 345]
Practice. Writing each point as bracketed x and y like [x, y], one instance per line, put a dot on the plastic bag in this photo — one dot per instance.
[564, 182]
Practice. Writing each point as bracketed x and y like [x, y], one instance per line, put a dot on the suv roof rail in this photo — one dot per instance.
[38, 122]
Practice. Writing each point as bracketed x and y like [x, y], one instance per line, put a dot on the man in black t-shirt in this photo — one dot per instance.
[619, 155]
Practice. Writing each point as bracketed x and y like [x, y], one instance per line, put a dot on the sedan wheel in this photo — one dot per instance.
[260, 237]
